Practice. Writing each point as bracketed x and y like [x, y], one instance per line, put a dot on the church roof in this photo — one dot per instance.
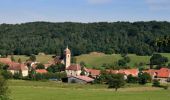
[74, 67]
[67, 51]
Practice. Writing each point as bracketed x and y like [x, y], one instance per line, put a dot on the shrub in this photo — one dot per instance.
[156, 83]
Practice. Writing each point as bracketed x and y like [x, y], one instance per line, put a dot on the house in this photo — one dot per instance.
[80, 79]
[92, 72]
[5, 60]
[152, 72]
[133, 72]
[162, 74]
[17, 67]
[125, 72]
[41, 71]
[73, 70]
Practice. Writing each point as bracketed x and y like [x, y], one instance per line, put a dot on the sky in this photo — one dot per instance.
[21, 11]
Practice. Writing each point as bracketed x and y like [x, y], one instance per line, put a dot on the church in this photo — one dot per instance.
[71, 69]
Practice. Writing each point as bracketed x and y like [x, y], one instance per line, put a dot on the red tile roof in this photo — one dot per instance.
[75, 67]
[17, 66]
[133, 72]
[152, 72]
[93, 72]
[5, 60]
[84, 78]
[164, 73]
[41, 71]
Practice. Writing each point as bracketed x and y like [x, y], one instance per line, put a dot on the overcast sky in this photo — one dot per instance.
[21, 11]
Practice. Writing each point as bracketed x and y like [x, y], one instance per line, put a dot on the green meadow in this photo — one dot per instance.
[40, 58]
[93, 60]
[28, 90]
[97, 60]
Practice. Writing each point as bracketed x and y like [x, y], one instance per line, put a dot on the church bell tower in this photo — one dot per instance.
[67, 59]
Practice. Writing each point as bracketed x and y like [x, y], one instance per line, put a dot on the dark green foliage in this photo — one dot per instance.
[56, 68]
[48, 76]
[3, 89]
[127, 59]
[144, 78]
[118, 37]
[156, 83]
[82, 64]
[82, 72]
[7, 74]
[116, 81]
[12, 58]
[19, 60]
[122, 62]
[132, 79]
[158, 59]
[18, 75]
[32, 58]
[40, 66]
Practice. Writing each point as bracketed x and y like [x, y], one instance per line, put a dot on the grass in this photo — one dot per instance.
[93, 60]
[28, 90]
[40, 58]
[97, 60]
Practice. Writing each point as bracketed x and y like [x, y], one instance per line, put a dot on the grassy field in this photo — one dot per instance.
[40, 58]
[97, 60]
[93, 60]
[26, 90]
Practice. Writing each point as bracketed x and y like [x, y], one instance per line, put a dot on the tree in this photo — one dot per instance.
[32, 58]
[121, 62]
[4, 91]
[7, 74]
[40, 66]
[131, 79]
[19, 60]
[158, 59]
[56, 68]
[82, 63]
[116, 81]
[144, 78]
[127, 59]
[12, 58]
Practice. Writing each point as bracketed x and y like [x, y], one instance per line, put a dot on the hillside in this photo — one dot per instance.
[97, 61]
[142, 38]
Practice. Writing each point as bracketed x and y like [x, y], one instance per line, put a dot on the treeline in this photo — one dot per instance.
[141, 38]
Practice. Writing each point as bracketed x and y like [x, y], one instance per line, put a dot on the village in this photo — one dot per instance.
[75, 73]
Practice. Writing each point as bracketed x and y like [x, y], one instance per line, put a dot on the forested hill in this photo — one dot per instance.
[142, 38]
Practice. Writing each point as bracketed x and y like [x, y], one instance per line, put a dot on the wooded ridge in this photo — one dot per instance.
[141, 38]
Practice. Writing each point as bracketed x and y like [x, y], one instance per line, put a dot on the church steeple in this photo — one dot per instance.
[67, 57]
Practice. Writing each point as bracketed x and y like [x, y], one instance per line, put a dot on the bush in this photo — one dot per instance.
[144, 78]
[131, 79]
[156, 83]
[7, 74]
[3, 89]
[40, 66]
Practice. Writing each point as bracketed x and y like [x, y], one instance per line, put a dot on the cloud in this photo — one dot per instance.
[159, 4]
[99, 1]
